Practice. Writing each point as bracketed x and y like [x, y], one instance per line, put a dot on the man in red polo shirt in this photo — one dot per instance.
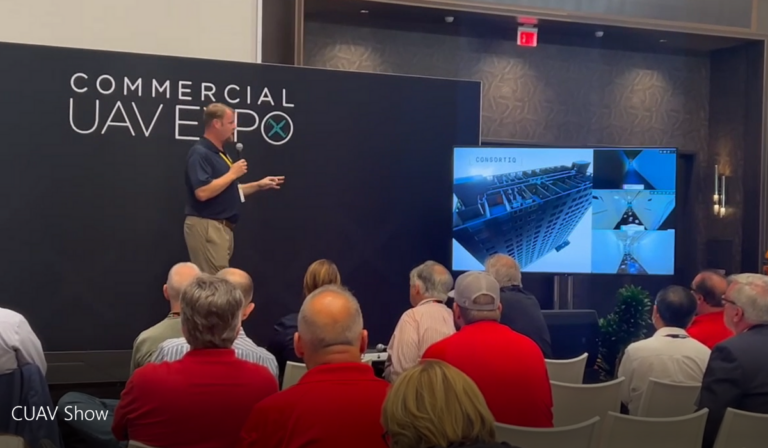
[203, 399]
[508, 368]
[708, 327]
[338, 402]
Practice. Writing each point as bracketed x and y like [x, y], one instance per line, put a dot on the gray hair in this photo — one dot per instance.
[750, 293]
[472, 316]
[505, 269]
[320, 332]
[180, 275]
[211, 309]
[433, 279]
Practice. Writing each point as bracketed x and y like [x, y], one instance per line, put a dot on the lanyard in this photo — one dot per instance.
[226, 158]
[677, 336]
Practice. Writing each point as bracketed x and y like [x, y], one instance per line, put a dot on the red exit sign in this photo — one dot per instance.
[527, 36]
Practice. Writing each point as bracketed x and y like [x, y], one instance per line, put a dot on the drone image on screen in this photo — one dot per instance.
[524, 214]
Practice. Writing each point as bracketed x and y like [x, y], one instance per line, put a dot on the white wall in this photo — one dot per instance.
[211, 29]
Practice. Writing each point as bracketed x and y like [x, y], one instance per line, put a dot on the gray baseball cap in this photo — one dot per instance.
[471, 284]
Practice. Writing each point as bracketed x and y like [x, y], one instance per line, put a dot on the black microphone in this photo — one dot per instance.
[239, 148]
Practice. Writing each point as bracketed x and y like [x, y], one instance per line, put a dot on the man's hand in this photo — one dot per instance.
[271, 182]
[238, 169]
[268, 183]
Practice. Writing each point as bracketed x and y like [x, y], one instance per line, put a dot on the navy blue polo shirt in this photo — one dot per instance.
[204, 164]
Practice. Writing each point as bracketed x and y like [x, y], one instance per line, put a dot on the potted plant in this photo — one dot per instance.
[627, 323]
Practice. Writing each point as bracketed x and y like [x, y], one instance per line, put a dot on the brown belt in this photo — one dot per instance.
[228, 224]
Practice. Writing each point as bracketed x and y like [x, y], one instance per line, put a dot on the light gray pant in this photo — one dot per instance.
[97, 432]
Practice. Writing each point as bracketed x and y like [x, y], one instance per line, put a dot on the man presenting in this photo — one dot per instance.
[213, 193]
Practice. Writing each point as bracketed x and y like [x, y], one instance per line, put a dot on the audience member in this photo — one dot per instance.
[737, 372]
[508, 368]
[670, 354]
[145, 345]
[436, 405]
[708, 327]
[245, 348]
[427, 322]
[520, 310]
[19, 345]
[97, 433]
[203, 399]
[338, 401]
[319, 273]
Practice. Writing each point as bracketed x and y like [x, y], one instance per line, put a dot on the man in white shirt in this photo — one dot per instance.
[670, 354]
[18, 343]
[429, 320]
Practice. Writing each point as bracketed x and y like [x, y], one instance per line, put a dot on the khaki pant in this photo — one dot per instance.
[210, 243]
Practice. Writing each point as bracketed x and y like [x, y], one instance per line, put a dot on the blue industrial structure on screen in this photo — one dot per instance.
[564, 210]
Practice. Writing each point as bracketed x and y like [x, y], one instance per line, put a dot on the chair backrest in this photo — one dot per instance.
[583, 435]
[569, 371]
[293, 373]
[577, 403]
[11, 441]
[624, 431]
[663, 399]
[742, 429]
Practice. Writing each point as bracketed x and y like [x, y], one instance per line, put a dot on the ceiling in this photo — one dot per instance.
[433, 20]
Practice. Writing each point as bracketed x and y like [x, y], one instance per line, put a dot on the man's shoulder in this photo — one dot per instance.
[745, 343]
[246, 343]
[198, 149]
[172, 326]
[172, 343]
[152, 373]
[439, 349]
[10, 317]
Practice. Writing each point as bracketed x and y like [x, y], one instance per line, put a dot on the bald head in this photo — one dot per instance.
[241, 280]
[710, 287]
[179, 277]
[504, 269]
[330, 322]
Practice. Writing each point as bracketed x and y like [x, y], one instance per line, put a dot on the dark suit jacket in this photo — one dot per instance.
[281, 343]
[736, 377]
[521, 312]
[27, 387]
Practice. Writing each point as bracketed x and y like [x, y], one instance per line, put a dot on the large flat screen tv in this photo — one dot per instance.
[566, 210]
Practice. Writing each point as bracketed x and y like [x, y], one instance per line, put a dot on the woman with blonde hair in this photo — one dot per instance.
[436, 405]
[320, 273]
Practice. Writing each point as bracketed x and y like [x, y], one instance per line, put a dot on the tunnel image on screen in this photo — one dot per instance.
[543, 207]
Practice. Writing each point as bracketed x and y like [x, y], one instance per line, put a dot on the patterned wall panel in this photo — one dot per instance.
[547, 94]
[552, 94]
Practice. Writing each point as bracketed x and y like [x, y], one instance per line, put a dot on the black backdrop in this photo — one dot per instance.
[92, 221]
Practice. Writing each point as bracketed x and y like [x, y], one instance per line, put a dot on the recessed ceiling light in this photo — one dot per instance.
[662, 40]
[363, 11]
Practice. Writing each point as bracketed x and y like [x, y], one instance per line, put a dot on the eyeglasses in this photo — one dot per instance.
[724, 301]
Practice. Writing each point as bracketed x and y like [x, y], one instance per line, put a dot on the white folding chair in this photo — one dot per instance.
[663, 399]
[742, 429]
[582, 435]
[624, 431]
[569, 371]
[577, 403]
[293, 373]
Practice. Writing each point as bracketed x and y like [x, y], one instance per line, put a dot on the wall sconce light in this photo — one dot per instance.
[719, 196]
